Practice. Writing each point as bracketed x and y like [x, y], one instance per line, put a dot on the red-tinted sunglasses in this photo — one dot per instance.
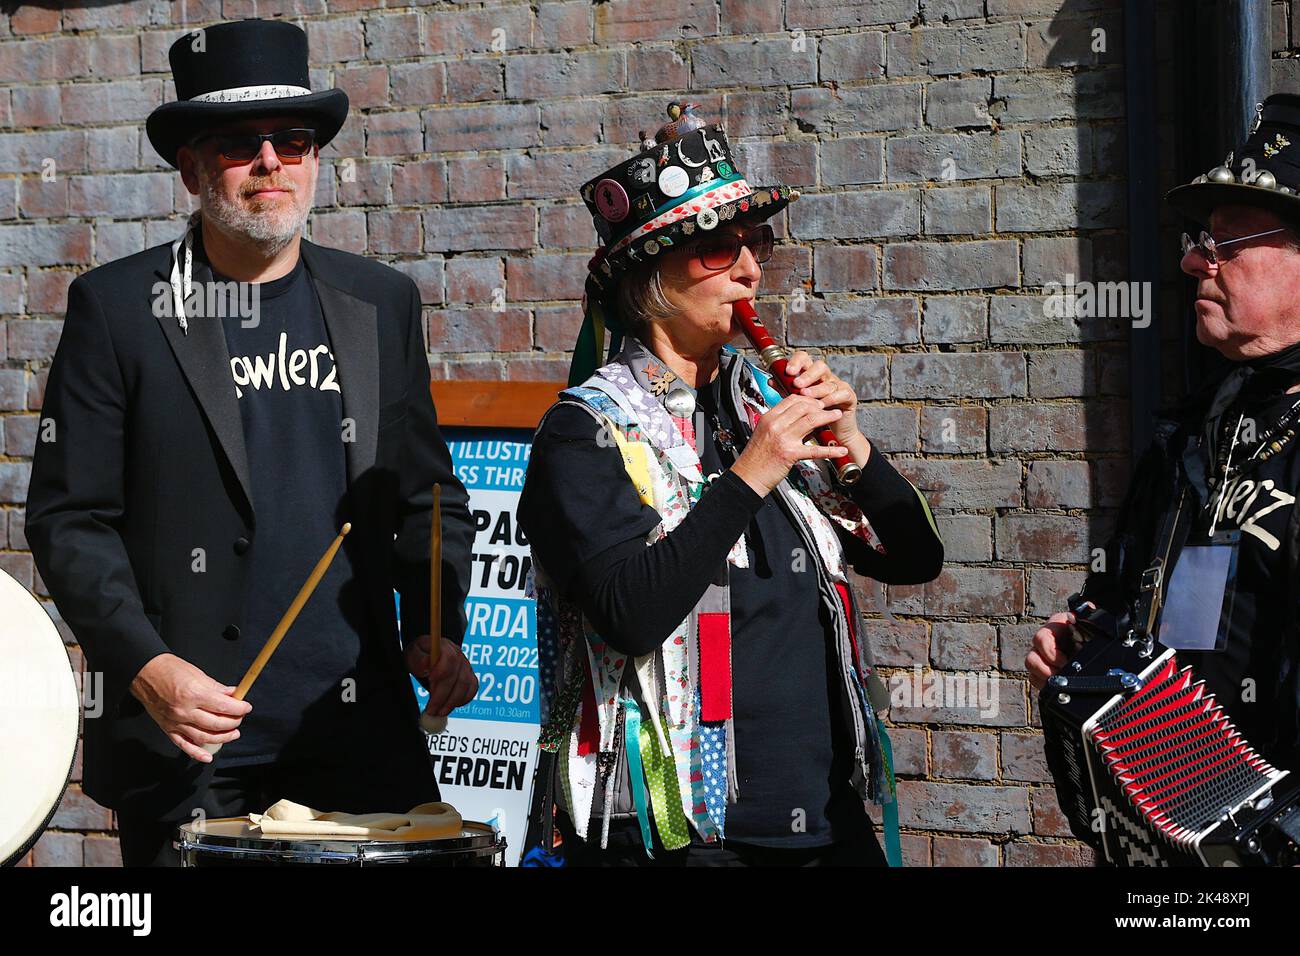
[722, 252]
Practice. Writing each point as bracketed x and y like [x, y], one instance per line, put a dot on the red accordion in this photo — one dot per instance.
[1150, 769]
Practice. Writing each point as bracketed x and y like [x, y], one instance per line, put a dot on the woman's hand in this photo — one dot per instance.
[778, 441]
[814, 378]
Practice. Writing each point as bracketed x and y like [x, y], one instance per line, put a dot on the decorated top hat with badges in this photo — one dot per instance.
[241, 70]
[1264, 172]
[680, 186]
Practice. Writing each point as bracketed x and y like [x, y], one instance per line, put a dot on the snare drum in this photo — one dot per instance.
[231, 841]
[40, 712]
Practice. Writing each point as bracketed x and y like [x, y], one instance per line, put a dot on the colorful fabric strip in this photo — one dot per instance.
[889, 800]
[713, 769]
[696, 191]
[715, 667]
[636, 773]
[589, 732]
[665, 799]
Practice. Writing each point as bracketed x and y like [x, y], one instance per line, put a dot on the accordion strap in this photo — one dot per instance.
[1151, 585]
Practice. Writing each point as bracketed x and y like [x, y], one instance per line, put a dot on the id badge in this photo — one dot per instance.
[1198, 600]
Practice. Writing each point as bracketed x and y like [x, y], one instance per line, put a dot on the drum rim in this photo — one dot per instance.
[39, 831]
[490, 840]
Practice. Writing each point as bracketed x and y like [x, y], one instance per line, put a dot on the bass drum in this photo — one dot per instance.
[40, 712]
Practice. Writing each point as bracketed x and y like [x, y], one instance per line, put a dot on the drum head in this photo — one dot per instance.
[39, 716]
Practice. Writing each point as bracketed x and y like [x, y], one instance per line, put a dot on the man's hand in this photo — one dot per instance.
[452, 682]
[191, 708]
[1052, 643]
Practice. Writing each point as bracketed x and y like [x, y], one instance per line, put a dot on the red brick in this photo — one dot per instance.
[622, 21]
[964, 851]
[393, 134]
[418, 84]
[471, 81]
[479, 330]
[41, 198]
[365, 184]
[538, 370]
[476, 179]
[340, 230]
[420, 182]
[78, 812]
[58, 849]
[963, 754]
[366, 86]
[36, 105]
[567, 226]
[395, 233]
[536, 278]
[28, 20]
[556, 327]
[47, 291]
[1024, 853]
[102, 851]
[473, 279]
[457, 32]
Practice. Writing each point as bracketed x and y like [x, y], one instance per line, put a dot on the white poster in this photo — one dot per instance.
[485, 759]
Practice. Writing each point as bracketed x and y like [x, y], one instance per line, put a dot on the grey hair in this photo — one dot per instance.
[642, 300]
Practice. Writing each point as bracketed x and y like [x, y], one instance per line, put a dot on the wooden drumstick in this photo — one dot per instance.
[431, 723]
[286, 622]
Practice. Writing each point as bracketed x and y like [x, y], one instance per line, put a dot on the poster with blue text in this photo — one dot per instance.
[484, 761]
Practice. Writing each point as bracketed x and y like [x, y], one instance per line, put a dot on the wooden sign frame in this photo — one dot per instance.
[490, 404]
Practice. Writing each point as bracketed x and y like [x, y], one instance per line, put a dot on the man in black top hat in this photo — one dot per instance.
[1230, 453]
[217, 408]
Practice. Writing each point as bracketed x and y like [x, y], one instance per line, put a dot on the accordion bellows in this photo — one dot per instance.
[1150, 769]
[1176, 756]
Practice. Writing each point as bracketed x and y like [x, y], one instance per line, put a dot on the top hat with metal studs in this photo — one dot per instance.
[681, 185]
[1264, 172]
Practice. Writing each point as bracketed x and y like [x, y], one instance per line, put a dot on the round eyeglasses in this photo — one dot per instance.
[1210, 247]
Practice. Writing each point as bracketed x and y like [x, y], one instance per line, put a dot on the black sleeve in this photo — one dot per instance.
[901, 518]
[76, 500]
[426, 460]
[588, 527]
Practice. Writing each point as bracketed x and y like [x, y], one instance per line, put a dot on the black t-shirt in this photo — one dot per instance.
[793, 744]
[290, 403]
[1259, 502]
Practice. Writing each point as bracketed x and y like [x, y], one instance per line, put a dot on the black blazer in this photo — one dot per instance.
[148, 462]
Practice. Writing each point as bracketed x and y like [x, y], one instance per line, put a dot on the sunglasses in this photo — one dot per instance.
[722, 252]
[1210, 248]
[291, 145]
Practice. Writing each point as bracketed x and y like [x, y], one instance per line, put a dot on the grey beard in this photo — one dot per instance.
[269, 233]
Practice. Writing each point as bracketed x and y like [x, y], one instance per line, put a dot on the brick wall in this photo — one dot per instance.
[957, 155]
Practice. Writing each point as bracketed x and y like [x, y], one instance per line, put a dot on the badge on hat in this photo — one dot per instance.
[611, 200]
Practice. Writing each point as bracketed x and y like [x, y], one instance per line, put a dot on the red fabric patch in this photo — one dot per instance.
[589, 732]
[715, 666]
[843, 592]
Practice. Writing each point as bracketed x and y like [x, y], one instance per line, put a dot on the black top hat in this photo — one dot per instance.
[237, 71]
[1265, 172]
